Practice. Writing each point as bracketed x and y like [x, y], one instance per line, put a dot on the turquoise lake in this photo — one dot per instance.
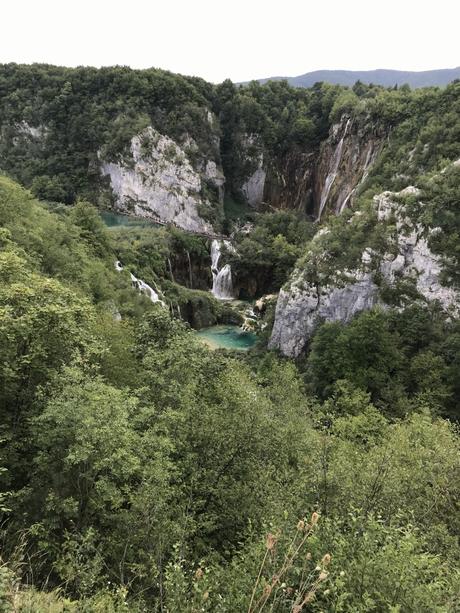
[227, 337]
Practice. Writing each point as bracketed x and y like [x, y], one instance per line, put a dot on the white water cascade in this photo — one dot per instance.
[222, 286]
[140, 285]
[332, 174]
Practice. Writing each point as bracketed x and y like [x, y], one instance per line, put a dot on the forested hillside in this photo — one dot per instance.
[181, 150]
[382, 76]
[141, 471]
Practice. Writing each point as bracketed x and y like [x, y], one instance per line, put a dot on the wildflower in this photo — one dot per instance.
[309, 597]
[270, 541]
[314, 518]
[300, 525]
[326, 559]
[267, 590]
[323, 575]
[199, 573]
[206, 595]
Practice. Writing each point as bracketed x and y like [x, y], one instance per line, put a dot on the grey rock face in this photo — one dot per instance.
[302, 306]
[253, 188]
[345, 160]
[215, 176]
[299, 311]
[26, 129]
[160, 182]
[312, 181]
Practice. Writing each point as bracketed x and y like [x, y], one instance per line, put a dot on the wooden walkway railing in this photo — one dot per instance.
[162, 222]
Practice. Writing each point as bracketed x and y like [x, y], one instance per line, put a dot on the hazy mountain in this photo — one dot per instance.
[388, 78]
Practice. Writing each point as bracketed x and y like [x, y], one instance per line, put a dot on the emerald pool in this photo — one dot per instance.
[227, 337]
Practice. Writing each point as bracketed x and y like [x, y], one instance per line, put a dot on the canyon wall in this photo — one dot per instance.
[319, 181]
[407, 259]
[158, 181]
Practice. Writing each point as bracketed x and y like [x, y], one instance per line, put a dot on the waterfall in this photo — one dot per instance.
[170, 270]
[332, 174]
[140, 285]
[222, 286]
[190, 270]
[370, 158]
[250, 322]
[341, 207]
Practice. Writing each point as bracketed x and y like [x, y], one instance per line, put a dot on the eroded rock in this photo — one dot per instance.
[159, 181]
[302, 306]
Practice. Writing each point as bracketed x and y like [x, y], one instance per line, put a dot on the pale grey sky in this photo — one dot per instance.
[238, 39]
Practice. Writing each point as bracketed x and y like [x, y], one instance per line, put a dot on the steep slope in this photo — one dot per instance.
[317, 178]
[344, 162]
[387, 253]
[157, 180]
[174, 148]
[62, 129]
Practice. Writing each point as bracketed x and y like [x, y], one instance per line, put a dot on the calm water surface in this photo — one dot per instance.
[227, 337]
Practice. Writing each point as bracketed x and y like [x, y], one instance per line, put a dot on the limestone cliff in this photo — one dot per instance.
[344, 162]
[405, 261]
[157, 180]
[290, 181]
[320, 180]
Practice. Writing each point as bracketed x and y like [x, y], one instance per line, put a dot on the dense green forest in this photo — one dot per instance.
[56, 122]
[125, 490]
[141, 471]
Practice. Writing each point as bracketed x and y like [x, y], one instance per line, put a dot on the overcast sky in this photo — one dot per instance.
[237, 39]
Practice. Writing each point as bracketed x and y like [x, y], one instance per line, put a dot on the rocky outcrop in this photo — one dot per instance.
[24, 129]
[300, 309]
[344, 162]
[214, 177]
[158, 181]
[290, 181]
[316, 181]
[303, 305]
[253, 188]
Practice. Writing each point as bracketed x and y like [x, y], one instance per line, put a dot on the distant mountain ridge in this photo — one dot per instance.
[387, 78]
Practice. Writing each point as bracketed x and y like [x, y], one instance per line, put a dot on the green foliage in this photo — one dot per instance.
[401, 359]
[43, 325]
[440, 196]
[54, 121]
[266, 256]
[333, 254]
[142, 472]
[274, 118]
[346, 103]
[424, 135]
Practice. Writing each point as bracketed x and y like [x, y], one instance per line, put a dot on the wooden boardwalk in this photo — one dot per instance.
[161, 222]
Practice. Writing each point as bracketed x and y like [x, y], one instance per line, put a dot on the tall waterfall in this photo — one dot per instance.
[222, 286]
[333, 168]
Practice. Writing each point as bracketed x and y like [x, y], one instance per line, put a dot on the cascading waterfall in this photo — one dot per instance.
[140, 285]
[250, 320]
[370, 159]
[332, 174]
[170, 270]
[222, 286]
[190, 270]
